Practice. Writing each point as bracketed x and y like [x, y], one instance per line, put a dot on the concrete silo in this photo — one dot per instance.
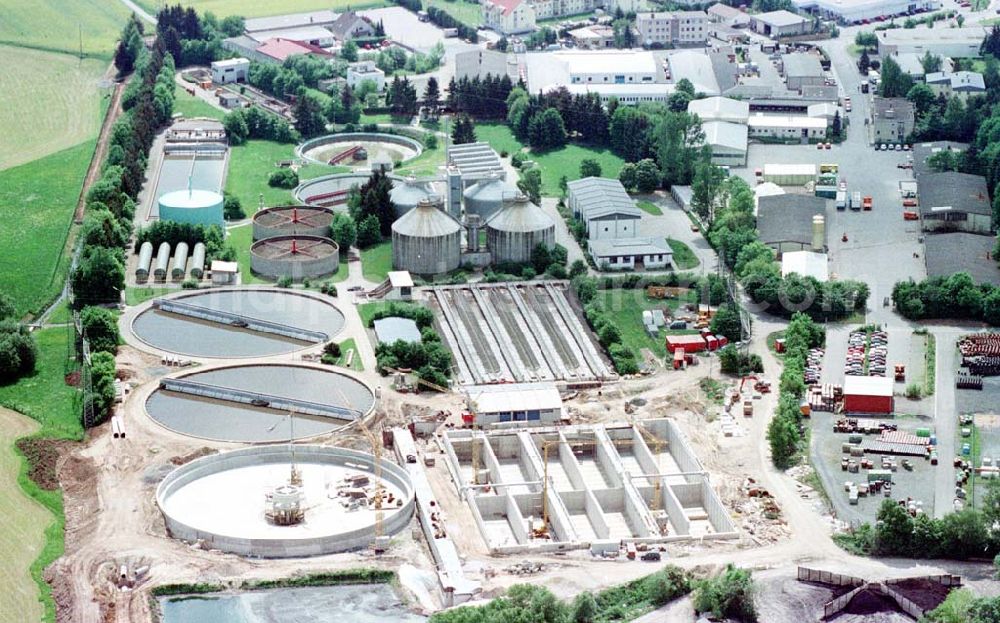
[514, 231]
[486, 196]
[407, 193]
[197, 207]
[426, 240]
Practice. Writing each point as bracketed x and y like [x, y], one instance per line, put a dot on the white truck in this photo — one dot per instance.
[841, 199]
[856, 200]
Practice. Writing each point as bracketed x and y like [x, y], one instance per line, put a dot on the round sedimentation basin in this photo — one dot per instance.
[234, 421]
[187, 335]
[220, 500]
[359, 148]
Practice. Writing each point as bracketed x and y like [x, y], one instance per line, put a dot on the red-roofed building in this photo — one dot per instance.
[279, 49]
[509, 17]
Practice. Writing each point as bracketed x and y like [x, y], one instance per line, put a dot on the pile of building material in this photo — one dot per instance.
[900, 443]
[760, 516]
[824, 397]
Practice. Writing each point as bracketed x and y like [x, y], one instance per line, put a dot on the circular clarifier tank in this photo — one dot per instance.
[251, 404]
[227, 500]
[302, 320]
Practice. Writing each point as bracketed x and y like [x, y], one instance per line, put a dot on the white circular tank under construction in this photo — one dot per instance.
[292, 221]
[514, 232]
[486, 196]
[296, 257]
[359, 149]
[407, 193]
[291, 321]
[226, 500]
[251, 403]
[426, 241]
[197, 207]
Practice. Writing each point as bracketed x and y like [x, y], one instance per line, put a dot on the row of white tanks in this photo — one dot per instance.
[182, 262]
[427, 239]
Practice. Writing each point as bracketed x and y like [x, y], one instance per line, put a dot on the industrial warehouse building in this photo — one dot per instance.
[944, 42]
[777, 24]
[963, 84]
[785, 222]
[802, 69]
[728, 142]
[854, 11]
[230, 70]
[953, 201]
[787, 128]
[728, 16]
[525, 403]
[720, 109]
[631, 254]
[892, 120]
[958, 252]
[481, 63]
[604, 206]
[868, 394]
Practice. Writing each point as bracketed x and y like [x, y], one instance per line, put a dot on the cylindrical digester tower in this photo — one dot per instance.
[180, 260]
[145, 260]
[426, 241]
[819, 233]
[197, 207]
[486, 196]
[162, 261]
[514, 231]
[407, 193]
[198, 261]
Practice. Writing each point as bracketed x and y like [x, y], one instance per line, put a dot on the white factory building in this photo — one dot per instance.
[365, 70]
[786, 128]
[720, 109]
[633, 77]
[944, 42]
[230, 70]
[525, 403]
[728, 142]
[853, 11]
[609, 67]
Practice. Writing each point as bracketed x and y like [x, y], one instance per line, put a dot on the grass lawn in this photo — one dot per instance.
[649, 207]
[60, 314]
[684, 257]
[376, 262]
[62, 86]
[384, 117]
[554, 164]
[225, 8]
[61, 25]
[626, 307]
[141, 294]
[466, 12]
[367, 310]
[46, 398]
[250, 165]
[42, 194]
[191, 106]
[426, 164]
[499, 136]
[349, 345]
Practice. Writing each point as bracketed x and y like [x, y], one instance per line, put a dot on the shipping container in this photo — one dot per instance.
[841, 199]
[690, 343]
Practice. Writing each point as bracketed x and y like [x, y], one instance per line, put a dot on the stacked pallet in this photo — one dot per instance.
[824, 397]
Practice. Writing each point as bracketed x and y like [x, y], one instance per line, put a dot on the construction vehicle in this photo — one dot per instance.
[380, 542]
[759, 384]
[420, 381]
[747, 408]
[900, 371]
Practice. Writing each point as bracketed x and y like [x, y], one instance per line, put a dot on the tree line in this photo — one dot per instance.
[785, 432]
[956, 296]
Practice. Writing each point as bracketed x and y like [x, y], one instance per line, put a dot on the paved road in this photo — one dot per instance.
[138, 10]
[945, 417]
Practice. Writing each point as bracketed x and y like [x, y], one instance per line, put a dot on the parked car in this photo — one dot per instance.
[651, 556]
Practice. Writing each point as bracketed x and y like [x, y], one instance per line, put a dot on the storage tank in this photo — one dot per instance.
[197, 207]
[297, 257]
[198, 261]
[145, 259]
[162, 261]
[407, 193]
[514, 231]
[292, 220]
[819, 233]
[486, 196]
[180, 260]
[426, 241]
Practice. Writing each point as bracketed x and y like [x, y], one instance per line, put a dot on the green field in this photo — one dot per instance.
[250, 165]
[376, 262]
[625, 307]
[684, 257]
[554, 164]
[42, 194]
[367, 310]
[63, 87]
[22, 535]
[62, 25]
[190, 106]
[649, 207]
[468, 13]
[141, 294]
[356, 363]
[223, 8]
[46, 398]
[426, 164]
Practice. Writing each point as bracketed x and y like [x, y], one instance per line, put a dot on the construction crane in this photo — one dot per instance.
[657, 447]
[378, 545]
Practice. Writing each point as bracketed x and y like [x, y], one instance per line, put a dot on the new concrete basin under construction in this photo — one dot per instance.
[283, 501]
[238, 322]
[252, 403]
